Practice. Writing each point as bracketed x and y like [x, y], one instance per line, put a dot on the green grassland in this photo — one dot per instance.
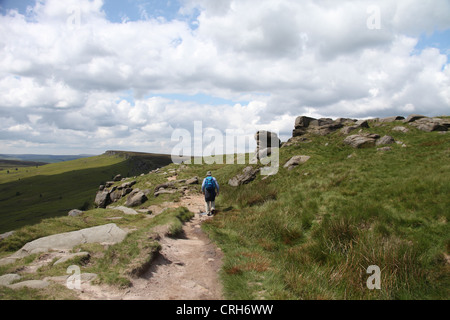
[307, 233]
[30, 194]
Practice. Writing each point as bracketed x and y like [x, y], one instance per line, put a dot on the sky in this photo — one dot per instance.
[86, 76]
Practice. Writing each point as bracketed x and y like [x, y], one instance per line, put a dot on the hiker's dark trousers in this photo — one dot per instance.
[210, 197]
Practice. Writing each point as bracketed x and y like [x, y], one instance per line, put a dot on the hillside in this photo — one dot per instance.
[30, 194]
[310, 231]
[15, 164]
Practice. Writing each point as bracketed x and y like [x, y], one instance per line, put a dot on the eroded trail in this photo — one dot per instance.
[186, 268]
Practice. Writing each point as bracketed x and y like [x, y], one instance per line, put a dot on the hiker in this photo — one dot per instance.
[209, 187]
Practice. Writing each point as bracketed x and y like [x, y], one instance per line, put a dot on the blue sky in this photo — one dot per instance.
[132, 71]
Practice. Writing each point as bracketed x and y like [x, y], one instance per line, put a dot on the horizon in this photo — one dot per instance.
[83, 76]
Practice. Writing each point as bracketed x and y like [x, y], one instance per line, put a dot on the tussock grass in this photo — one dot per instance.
[324, 223]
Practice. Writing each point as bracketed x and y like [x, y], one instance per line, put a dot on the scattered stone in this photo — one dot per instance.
[75, 213]
[117, 177]
[384, 149]
[295, 161]
[247, 175]
[385, 140]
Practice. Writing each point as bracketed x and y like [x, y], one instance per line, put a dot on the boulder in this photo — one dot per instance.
[362, 124]
[108, 233]
[295, 161]
[102, 199]
[431, 124]
[125, 210]
[303, 122]
[360, 141]
[385, 140]
[75, 213]
[247, 175]
[126, 191]
[115, 195]
[392, 119]
[117, 177]
[322, 126]
[414, 117]
[9, 278]
[356, 125]
[109, 184]
[136, 198]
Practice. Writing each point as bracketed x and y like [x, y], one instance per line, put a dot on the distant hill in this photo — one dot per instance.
[6, 164]
[44, 158]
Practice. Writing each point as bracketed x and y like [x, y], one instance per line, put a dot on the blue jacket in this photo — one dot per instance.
[215, 181]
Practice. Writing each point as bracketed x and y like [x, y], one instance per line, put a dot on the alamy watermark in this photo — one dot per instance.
[374, 281]
[73, 20]
[212, 146]
[73, 282]
[373, 22]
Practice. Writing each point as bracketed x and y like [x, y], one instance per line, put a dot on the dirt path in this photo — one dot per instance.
[185, 269]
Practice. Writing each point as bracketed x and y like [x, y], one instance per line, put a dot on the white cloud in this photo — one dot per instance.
[66, 71]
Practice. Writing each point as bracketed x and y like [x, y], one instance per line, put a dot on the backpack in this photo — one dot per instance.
[210, 185]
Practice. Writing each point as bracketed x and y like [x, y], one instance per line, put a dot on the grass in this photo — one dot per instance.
[316, 229]
[31, 194]
[308, 233]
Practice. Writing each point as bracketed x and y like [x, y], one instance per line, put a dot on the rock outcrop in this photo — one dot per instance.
[323, 126]
[430, 124]
[106, 196]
